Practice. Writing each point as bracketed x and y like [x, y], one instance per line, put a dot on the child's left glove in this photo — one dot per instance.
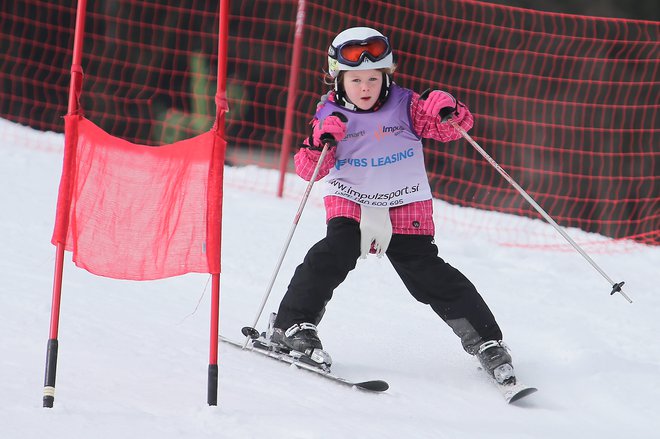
[438, 102]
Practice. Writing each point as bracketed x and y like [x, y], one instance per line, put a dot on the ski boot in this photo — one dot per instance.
[302, 342]
[495, 359]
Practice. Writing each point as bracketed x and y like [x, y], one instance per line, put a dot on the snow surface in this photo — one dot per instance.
[133, 356]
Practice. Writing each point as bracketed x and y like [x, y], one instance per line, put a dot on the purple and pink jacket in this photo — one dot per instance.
[410, 219]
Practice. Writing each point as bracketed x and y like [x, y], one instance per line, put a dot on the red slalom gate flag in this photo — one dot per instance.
[137, 212]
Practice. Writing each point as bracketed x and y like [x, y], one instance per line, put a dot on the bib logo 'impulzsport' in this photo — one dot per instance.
[385, 130]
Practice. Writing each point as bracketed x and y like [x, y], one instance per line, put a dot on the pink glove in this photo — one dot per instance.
[330, 126]
[439, 103]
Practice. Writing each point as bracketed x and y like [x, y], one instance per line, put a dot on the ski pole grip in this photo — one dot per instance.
[446, 113]
[329, 139]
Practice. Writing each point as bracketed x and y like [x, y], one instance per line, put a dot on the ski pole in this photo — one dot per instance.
[328, 141]
[616, 287]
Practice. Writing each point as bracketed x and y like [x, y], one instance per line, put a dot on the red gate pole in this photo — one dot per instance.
[74, 95]
[221, 108]
[290, 101]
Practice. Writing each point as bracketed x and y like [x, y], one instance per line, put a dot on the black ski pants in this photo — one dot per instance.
[415, 258]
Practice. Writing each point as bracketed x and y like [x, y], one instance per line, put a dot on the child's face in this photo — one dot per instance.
[363, 87]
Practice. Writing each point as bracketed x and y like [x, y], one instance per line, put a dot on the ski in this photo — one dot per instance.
[503, 376]
[511, 392]
[514, 392]
[300, 363]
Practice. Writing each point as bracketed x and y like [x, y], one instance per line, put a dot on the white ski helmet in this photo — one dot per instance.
[359, 48]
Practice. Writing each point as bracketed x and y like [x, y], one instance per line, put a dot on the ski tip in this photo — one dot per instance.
[248, 331]
[522, 393]
[373, 386]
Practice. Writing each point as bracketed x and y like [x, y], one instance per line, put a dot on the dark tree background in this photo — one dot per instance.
[633, 9]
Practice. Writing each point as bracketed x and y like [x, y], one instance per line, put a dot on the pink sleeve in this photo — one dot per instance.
[431, 127]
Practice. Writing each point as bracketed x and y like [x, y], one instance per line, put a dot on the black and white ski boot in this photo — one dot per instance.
[302, 338]
[495, 359]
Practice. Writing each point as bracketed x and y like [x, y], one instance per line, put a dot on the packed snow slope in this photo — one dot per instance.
[133, 356]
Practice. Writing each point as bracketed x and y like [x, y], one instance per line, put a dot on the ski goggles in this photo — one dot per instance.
[352, 53]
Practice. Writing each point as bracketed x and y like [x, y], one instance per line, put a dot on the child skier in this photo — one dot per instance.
[379, 201]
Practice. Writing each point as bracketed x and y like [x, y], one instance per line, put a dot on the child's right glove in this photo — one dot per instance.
[329, 130]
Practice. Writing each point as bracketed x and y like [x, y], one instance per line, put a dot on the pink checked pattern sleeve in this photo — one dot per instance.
[432, 127]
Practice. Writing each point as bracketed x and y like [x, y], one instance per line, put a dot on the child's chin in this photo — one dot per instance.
[365, 106]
